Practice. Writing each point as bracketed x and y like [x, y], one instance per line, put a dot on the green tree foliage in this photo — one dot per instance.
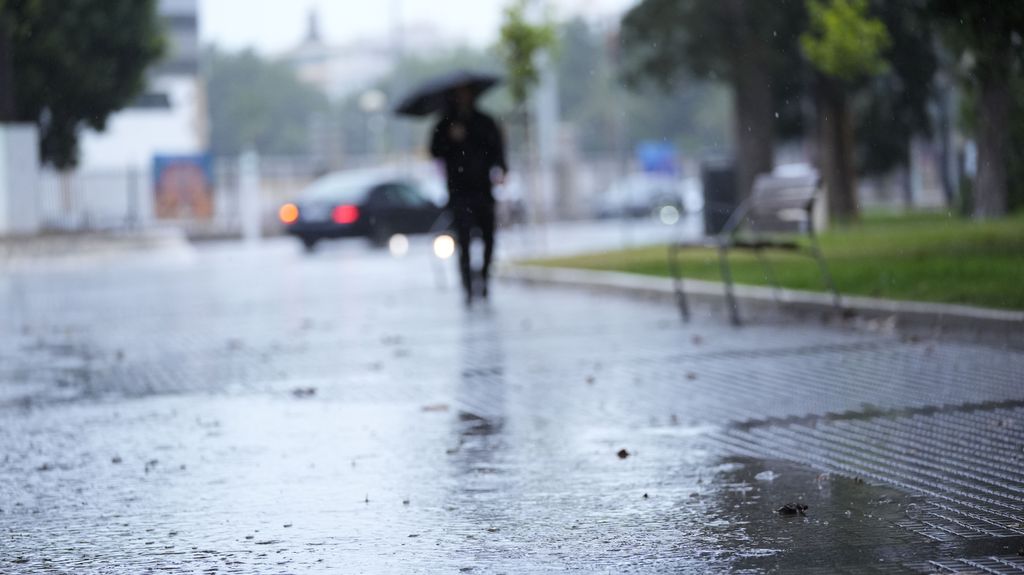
[610, 117]
[258, 103]
[892, 107]
[1015, 192]
[845, 45]
[75, 63]
[986, 37]
[520, 43]
[665, 40]
[750, 45]
[968, 121]
[843, 41]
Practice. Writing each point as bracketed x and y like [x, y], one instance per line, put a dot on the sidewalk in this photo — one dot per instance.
[59, 247]
[263, 412]
[1001, 328]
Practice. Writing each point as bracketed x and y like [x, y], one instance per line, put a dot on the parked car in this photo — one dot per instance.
[641, 195]
[374, 206]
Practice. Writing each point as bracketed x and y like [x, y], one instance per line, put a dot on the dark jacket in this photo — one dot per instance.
[469, 160]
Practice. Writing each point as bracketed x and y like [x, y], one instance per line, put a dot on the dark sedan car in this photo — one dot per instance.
[345, 205]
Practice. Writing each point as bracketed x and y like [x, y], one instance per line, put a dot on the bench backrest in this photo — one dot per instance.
[778, 205]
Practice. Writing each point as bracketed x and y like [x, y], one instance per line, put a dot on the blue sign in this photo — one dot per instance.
[658, 158]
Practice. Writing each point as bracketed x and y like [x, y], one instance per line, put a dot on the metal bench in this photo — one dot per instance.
[778, 213]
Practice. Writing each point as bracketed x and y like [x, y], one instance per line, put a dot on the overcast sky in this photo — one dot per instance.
[271, 26]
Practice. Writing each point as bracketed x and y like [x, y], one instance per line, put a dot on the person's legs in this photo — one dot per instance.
[464, 237]
[485, 221]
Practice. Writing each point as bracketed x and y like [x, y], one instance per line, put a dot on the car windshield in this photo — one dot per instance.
[342, 187]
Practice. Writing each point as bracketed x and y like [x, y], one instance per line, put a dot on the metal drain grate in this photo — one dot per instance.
[968, 465]
[986, 565]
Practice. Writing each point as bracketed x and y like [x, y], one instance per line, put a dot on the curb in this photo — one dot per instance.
[21, 251]
[1000, 327]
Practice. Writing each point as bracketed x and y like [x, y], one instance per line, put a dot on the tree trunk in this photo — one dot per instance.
[835, 134]
[946, 141]
[908, 184]
[755, 135]
[7, 110]
[754, 127]
[990, 193]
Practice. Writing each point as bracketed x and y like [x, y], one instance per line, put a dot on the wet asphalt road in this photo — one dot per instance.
[231, 410]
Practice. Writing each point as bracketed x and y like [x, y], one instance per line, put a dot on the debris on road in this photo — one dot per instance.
[792, 509]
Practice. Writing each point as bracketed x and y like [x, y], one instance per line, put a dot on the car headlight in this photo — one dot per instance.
[444, 246]
[398, 245]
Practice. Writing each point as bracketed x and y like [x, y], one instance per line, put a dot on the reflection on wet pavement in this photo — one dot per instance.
[343, 414]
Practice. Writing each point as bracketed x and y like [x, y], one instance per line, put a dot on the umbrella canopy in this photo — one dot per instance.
[431, 95]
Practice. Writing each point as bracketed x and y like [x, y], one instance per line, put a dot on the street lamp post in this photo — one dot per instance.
[372, 102]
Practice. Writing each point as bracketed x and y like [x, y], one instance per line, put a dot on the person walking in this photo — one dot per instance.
[471, 145]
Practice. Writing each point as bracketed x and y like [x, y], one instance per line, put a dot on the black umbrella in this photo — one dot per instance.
[431, 96]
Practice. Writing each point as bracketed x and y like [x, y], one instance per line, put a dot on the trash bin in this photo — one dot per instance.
[718, 178]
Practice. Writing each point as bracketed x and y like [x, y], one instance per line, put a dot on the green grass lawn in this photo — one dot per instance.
[922, 257]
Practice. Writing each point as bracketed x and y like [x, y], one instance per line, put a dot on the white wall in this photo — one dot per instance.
[133, 136]
[19, 173]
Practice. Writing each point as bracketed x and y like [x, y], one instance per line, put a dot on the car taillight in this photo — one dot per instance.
[289, 213]
[345, 214]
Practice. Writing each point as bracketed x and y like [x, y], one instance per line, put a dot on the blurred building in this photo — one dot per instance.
[159, 140]
[170, 118]
[341, 70]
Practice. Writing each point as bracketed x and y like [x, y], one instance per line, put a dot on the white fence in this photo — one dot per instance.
[125, 198]
[112, 199]
[107, 199]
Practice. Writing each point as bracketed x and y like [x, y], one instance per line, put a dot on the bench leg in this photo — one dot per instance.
[816, 252]
[730, 298]
[770, 272]
[677, 281]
